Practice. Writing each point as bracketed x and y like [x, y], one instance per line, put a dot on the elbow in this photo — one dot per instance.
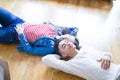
[45, 60]
[50, 58]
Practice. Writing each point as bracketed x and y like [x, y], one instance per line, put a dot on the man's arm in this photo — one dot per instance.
[53, 60]
[106, 61]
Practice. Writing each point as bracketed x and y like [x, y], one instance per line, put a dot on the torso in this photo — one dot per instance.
[35, 31]
[85, 64]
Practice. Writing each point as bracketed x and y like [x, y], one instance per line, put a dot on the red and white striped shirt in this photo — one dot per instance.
[35, 31]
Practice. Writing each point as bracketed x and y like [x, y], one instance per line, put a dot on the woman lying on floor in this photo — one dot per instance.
[35, 39]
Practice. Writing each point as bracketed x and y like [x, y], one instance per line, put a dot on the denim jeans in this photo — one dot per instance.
[8, 22]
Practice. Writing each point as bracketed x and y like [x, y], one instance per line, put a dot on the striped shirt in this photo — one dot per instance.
[35, 31]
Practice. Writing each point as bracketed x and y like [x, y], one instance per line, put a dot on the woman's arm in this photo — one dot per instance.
[34, 50]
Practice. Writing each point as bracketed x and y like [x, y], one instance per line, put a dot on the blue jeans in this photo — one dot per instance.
[8, 22]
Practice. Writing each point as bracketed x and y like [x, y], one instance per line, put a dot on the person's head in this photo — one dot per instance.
[67, 37]
[69, 30]
[67, 45]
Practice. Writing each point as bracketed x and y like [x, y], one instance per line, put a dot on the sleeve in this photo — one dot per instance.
[53, 60]
[34, 50]
[72, 30]
[94, 53]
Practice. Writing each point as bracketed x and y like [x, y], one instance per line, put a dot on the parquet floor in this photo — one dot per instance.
[97, 28]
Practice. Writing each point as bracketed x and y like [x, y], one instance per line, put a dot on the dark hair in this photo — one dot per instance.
[64, 30]
[77, 43]
[56, 50]
[58, 41]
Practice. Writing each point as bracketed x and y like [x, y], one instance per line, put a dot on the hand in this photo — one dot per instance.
[19, 29]
[105, 61]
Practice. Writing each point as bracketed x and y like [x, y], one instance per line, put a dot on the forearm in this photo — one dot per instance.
[54, 61]
[23, 40]
[34, 50]
[24, 43]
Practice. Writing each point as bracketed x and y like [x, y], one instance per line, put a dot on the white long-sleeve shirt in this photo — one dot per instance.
[84, 65]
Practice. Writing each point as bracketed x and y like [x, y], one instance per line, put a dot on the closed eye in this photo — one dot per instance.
[63, 45]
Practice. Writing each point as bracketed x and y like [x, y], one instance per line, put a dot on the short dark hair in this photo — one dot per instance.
[57, 42]
[77, 43]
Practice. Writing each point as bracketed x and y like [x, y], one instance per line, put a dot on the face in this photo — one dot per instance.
[66, 48]
[68, 38]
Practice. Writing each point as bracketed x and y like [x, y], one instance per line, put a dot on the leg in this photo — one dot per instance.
[8, 35]
[7, 18]
[8, 21]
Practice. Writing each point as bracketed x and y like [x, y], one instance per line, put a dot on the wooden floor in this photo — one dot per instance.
[94, 30]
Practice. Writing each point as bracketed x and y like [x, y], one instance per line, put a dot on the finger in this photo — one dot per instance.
[102, 63]
[18, 25]
[106, 64]
[16, 28]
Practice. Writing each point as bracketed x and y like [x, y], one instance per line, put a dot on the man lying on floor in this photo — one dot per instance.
[87, 62]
